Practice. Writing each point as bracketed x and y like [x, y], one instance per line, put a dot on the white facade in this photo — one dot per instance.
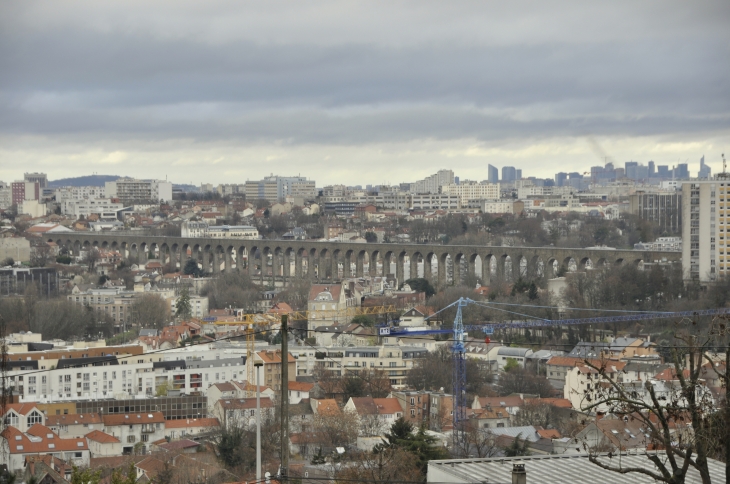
[198, 306]
[472, 191]
[79, 193]
[499, 206]
[128, 189]
[233, 232]
[202, 229]
[33, 208]
[662, 243]
[434, 201]
[78, 208]
[704, 229]
[433, 183]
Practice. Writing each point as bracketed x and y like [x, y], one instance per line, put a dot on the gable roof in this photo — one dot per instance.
[364, 405]
[387, 406]
[74, 419]
[300, 386]
[133, 418]
[273, 356]
[40, 440]
[101, 437]
[21, 408]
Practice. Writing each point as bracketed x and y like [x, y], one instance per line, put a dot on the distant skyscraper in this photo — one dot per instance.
[508, 173]
[705, 171]
[681, 172]
[456, 180]
[518, 174]
[652, 169]
[492, 174]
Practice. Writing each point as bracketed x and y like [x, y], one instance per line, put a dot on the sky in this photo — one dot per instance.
[359, 92]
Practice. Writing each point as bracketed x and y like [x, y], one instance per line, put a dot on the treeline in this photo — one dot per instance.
[53, 318]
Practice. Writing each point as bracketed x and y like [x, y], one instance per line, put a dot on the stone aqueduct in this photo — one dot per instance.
[328, 261]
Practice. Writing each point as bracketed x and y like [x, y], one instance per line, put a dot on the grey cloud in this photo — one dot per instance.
[350, 78]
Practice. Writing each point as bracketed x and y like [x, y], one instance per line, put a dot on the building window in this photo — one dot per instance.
[34, 418]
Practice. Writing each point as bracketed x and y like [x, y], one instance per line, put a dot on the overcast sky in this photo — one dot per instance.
[358, 92]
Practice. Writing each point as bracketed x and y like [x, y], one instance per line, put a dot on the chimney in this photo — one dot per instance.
[519, 475]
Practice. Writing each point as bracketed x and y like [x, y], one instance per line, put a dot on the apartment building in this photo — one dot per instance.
[396, 361]
[132, 190]
[471, 190]
[664, 208]
[433, 183]
[435, 201]
[64, 194]
[116, 302]
[202, 229]
[705, 227]
[40, 178]
[500, 206]
[81, 207]
[329, 303]
[122, 376]
[276, 188]
[24, 190]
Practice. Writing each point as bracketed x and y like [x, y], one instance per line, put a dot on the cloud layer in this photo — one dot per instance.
[322, 88]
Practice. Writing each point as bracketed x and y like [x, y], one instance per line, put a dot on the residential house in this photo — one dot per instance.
[299, 391]
[583, 384]
[270, 373]
[190, 427]
[242, 411]
[375, 415]
[331, 303]
[135, 429]
[74, 424]
[16, 445]
[102, 444]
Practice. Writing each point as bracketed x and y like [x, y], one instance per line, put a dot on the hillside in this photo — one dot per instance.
[83, 181]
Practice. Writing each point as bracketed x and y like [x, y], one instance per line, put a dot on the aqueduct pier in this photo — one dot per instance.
[329, 261]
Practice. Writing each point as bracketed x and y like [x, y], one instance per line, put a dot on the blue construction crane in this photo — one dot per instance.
[459, 329]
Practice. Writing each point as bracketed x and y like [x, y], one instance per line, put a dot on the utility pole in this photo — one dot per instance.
[284, 397]
[257, 365]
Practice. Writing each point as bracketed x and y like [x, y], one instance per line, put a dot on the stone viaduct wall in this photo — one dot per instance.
[328, 261]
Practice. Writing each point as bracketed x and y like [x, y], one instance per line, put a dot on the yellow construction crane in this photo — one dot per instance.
[251, 320]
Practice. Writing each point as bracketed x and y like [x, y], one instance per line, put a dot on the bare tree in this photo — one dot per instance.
[338, 429]
[674, 417]
[387, 465]
[40, 254]
[150, 311]
[91, 257]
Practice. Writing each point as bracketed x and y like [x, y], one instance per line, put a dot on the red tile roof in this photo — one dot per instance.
[73, 419]
[44, 441]
[273, 357]
[21, 408]
[387, 406]
[300, 386]
[101, 437]
[184, 423]
[133, 418]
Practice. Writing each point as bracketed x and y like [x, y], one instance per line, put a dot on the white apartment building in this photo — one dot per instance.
[198, 306]
[79, 193]
[202, 229]
[193, 229]
[395, 360]
[472, 191]
[129, 189]
[233, 232]
[533, 191]
[433, 183]
[435, 201]
[662, 243]
[501, 206]
[705, 254]
[275, 188]
[79, 207]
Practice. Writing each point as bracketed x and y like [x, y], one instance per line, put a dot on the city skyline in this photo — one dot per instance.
[230, 91]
